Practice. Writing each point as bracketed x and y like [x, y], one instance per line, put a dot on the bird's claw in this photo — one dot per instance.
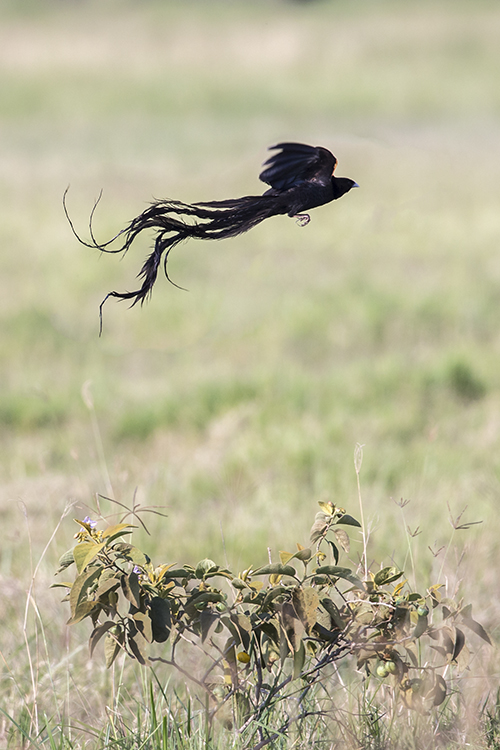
[302, 219]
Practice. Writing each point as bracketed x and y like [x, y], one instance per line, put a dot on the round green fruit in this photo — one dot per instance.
[382, 671]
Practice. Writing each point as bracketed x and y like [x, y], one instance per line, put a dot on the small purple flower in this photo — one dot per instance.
[90, 522]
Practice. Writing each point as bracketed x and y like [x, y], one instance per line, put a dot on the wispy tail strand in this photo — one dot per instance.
[212, 221]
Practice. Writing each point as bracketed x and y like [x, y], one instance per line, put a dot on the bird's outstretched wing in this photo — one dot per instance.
[296, 163]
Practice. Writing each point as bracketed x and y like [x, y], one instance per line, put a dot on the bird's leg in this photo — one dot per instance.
[302, 219]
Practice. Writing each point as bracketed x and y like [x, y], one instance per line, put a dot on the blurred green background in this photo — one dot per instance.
[237, 405]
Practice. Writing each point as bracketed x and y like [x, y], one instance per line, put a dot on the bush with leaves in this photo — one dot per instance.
[267, 636]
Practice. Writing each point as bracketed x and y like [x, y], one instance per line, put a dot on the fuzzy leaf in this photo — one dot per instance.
[334, 549]
[98, 633]
[349, 521]
[303, 553]
[319, 528]
[137, 556]
[420, 627]
[161, 621]
[306, 602]
[476, 628]
[343, 539]
[208, 622]
[337, 572]
[81, 585]
[109, 584]
[334, 613]
[112, 646]
[293, 628]
[138, 646]
[178, 573]
[131, 589]
[205, 566]
[85, 552]
[142, 622]
[459, 643]
[66, 560]
[82, 610]
[387, 575]
[113, 532]
[276, 569]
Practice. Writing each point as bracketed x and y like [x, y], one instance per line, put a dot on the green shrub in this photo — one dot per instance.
[267, 637]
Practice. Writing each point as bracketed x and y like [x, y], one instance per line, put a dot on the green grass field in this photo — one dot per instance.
[237, 405]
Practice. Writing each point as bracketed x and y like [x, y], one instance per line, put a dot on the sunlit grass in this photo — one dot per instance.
[238, 404]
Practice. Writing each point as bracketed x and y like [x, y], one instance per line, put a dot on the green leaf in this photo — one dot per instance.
[304, 554]
[138, 646]
[131, 589]
[319, 527]
[208, 622]
[459, 643]
[200, 599]
[439, 691]
[81, 585]
[337, 572]
[306, 602]
[244, 627]
[387, 575]
[109, 584]
[113, 532]
[421, 626]
[98, 633]
[235, 633]
[276, 569]
[82, 610]
[159, 610]
[112, 646]
[178, 573]
[66, 560]
[334, 613]
[476, 627]
[143, 623]
[293, 628]
[138, 557]
[205, 566]
[273, 593]
[349, 521]
[343, 539]
[335, 550]
[85, 552]
[415, 597]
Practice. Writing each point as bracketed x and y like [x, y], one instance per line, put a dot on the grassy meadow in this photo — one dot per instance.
[237, 405]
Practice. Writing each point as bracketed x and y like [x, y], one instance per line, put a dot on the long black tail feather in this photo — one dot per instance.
[173, 222]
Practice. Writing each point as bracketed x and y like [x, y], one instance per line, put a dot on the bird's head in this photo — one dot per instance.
[342, 185]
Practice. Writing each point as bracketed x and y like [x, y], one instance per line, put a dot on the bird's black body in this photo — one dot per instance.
[300, 178]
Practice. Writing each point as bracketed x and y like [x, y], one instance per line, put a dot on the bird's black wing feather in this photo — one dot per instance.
[296, 163]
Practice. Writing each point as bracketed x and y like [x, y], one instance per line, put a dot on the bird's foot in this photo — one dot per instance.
[302, 219]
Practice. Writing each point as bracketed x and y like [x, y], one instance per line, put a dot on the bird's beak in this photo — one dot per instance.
[355, 184]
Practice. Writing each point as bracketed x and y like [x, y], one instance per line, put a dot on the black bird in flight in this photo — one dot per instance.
[300, 178]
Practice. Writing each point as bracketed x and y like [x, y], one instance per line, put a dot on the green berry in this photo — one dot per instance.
[391, 667]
